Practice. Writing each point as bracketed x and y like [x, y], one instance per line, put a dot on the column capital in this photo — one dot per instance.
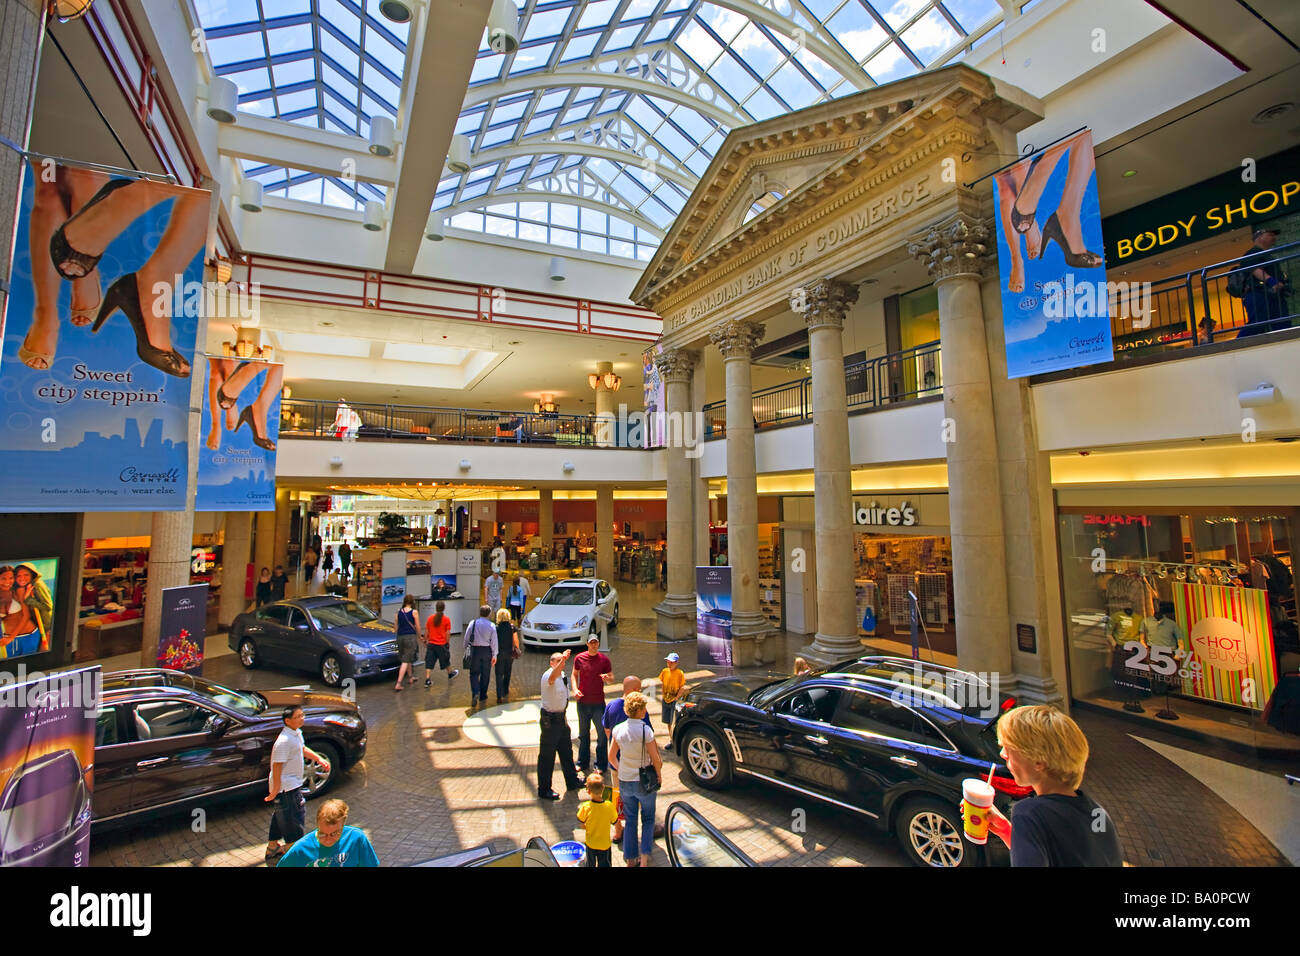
[824, 302]
[736, 339]
[676, 365]
[960, 245]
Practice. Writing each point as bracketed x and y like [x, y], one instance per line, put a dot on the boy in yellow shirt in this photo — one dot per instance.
[598, 815]
[672, 680]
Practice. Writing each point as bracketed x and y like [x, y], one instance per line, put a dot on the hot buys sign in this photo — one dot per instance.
[1220, 642]
[1230, 635]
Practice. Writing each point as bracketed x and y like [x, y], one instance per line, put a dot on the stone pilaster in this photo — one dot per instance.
[675, 614]
[606, 409]
[824, 305]
[736, 341]
[234, 564]
[546, 520]
[957, 252]
[605, 532]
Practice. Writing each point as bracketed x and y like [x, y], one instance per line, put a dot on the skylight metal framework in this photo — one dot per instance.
[611, 108]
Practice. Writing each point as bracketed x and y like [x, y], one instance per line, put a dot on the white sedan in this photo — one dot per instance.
[568, 613]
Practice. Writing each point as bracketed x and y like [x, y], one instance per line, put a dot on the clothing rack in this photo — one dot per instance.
[1113, 564]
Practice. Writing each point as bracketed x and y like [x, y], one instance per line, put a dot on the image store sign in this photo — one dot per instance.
[1055, 300]
[99, 337]
[238, 435]
[47, 751]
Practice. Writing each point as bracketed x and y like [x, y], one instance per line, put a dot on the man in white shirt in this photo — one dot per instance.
[285, 784]
[555, 737]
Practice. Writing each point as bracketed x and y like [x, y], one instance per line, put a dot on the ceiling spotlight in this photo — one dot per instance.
[568, 467]
[336, 461]
[557, 269]
[464, 464]
[436, 228]
[223, 99]
[383, 135]
[396, 10]
[503, 26]
[374, 216]
[250, 195]
[458, 155]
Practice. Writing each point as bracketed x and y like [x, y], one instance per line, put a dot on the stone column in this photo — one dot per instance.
[956, 252]
[546, 520]
[234, 564]
[736, 341]
[20, 52]
[605, 532]
[606, 409]
[264, 544]
[675, 614]
[824, 304]
[283, 522]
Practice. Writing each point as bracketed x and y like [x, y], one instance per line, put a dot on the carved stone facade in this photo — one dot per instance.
[737, 339]
[960, 245]
[824, 302]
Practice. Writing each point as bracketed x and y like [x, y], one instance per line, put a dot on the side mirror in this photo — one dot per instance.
[302, 627]
[218, 726]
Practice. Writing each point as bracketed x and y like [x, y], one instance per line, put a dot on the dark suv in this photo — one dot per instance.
[169, 740]
[888, 738]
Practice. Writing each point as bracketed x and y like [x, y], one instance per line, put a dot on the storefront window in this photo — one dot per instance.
[888, 567]
[1186, 617]
[918, 375]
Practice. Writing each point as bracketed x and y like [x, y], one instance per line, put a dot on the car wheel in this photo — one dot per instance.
[248, 653]
[931, 835]
[613, 622]
[705, 760]
[331, 670]
[316, 780]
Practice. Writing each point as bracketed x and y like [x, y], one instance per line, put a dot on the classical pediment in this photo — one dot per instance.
[768, 172]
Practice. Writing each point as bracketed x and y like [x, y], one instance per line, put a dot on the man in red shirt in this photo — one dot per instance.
[592, 670]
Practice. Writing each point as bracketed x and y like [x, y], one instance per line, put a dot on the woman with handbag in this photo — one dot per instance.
[508, 643]
[408, 640]
[640, 773]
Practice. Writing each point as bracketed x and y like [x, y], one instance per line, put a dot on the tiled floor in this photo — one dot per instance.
[427, 788]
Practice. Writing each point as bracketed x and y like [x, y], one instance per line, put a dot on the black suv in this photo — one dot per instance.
[888, 738]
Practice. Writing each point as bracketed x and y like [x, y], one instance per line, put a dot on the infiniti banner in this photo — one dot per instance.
[104, 308]
[713, 616]
[183, 628]
[1055, 300]
[47, 752]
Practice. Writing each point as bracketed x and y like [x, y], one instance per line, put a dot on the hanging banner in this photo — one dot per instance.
[713, 616]
[47, 752]
[184, 627]
[653, 397]
[238, 434]
[27, 586]
[1231, 639]
[1055, 301]
[99, 335]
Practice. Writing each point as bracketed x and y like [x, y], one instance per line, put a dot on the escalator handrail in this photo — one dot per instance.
[714, 832]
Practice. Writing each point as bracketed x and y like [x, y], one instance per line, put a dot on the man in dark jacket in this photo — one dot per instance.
[1265, 287]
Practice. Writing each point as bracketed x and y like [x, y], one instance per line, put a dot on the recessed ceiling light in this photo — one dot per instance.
[514, 342]
[1270, 113]
[1130, 173]
[326, 325]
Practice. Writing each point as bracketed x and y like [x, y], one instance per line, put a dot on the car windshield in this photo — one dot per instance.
[568, 597]
[330, 616]
[770, 692]
[243, 702]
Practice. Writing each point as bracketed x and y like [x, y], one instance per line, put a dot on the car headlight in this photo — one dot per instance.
[581, 622]
[357, 650]
[351, 721]
[528, 621]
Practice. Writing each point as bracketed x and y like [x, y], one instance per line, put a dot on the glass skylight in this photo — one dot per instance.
[625, 102]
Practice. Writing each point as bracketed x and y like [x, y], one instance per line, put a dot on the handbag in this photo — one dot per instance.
[648, 776]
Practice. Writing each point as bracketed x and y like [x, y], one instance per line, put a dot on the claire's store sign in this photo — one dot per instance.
[903, 516]
[1257, 191]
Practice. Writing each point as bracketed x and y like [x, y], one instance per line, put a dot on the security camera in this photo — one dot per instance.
[503, 27]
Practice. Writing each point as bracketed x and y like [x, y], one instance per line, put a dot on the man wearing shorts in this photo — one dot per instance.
[437, 652]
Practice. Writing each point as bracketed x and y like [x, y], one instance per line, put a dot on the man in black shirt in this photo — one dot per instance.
[1060, 825]
[278, 581]
[1264, 286]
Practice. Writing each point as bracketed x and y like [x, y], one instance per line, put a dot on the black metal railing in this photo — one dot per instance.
[885, 380]
[1199, 308]
[316, 419]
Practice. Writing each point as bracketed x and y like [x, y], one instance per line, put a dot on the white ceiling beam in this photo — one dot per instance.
[533, 195]
[439, 70]
[294, 146]
[599, 78]
[827, 52]
[537, 147]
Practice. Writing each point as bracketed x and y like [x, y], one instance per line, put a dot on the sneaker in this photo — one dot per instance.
[451, 674]
[428, 682]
